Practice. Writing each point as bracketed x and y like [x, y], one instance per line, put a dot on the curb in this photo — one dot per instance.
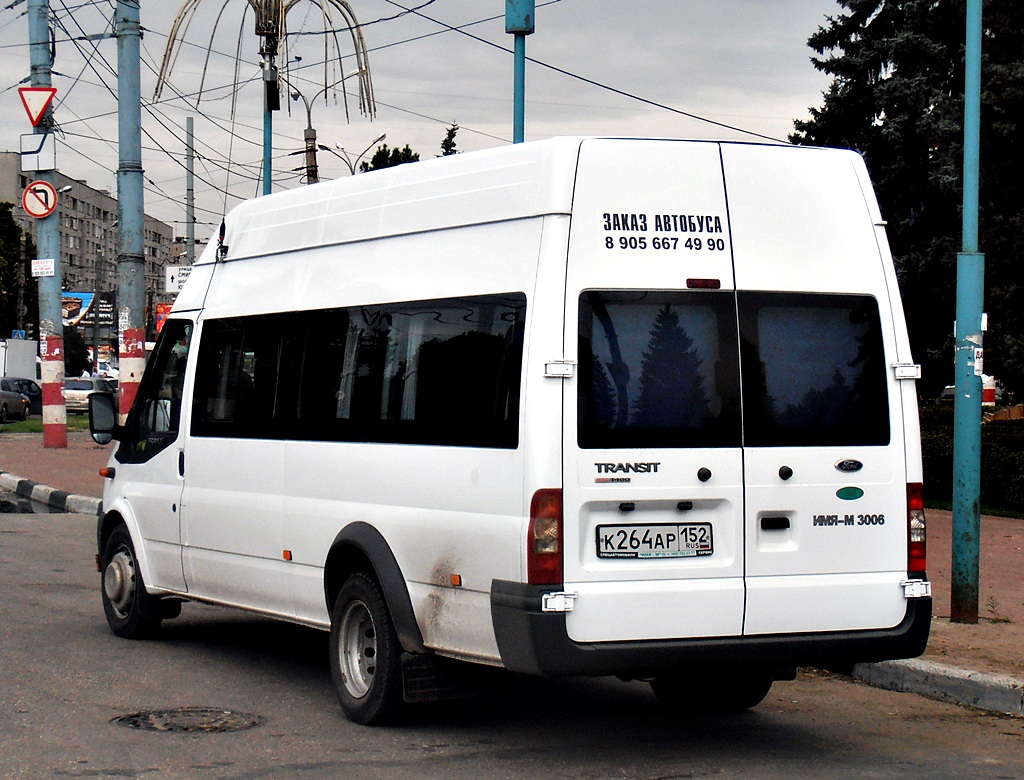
[58, 499]
[993, 692]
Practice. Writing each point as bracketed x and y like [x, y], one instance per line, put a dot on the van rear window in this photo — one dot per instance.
[813, 370]
[665, 369]
[658, 369]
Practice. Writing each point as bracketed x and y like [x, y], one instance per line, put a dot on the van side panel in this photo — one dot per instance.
[452, 516]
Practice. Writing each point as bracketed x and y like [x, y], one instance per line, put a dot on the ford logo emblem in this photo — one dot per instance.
[849, 466]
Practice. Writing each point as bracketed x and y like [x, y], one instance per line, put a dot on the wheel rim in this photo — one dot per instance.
[357, 649]
[119, 582]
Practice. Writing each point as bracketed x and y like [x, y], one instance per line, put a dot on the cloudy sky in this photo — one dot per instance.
[740, 63]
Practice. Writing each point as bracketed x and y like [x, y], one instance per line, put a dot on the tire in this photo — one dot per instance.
[3, 414]
[131, 612]
[699, 692]
[365, 654]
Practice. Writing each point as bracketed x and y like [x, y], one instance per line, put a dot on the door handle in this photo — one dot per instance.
[774, 523]
[181, 463]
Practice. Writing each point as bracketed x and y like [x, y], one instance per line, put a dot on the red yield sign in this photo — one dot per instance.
[36, 100]
[39, 199]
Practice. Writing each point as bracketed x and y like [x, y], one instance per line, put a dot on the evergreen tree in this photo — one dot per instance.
[448, 142]
[896, 96]
[671, 392]
[389, 158]
[819, 407]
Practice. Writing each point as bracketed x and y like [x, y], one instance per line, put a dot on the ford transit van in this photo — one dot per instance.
[590, 406]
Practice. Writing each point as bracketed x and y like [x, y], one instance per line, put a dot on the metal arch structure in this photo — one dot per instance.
[271, 25]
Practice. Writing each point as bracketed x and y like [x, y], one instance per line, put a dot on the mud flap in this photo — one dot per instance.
[426, 677]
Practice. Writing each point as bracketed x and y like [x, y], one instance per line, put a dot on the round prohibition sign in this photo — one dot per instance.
[39, 199]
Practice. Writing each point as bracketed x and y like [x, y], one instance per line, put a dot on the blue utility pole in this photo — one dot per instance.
[271, 99]
[970, 293]
[51, 317]
[131, 218]
[519, 20]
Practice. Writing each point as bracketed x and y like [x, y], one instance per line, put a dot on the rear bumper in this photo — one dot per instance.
[535, 642]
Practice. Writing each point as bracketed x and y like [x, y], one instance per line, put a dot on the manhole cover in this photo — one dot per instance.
[209, 719]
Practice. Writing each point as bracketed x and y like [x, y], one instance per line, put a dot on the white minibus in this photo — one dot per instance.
[585, 406]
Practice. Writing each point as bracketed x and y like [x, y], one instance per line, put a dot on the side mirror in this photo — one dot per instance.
[103, 418]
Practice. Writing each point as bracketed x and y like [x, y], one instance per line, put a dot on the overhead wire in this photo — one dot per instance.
[151, 107]
[586, 80]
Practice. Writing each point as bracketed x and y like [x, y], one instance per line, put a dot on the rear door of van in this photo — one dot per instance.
[824, 456]
[733, 438]
[653, 490]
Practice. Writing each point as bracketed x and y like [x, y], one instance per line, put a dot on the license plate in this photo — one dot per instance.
[663, 540]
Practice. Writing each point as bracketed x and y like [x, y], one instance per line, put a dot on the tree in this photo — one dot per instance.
[76, 353]
[671, 389]
[448, 143]
[896, 96]
[12, 255]
[385, 158]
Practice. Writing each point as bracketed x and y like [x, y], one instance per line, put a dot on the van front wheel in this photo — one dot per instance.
[720, 691]
[131, 612]
[365, 654]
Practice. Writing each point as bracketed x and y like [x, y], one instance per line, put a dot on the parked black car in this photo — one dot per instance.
[13, 405]
[31, 390]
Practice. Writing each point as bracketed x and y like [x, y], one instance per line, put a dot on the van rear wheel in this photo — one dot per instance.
[720, 691]
[131, 612]
[365, 654]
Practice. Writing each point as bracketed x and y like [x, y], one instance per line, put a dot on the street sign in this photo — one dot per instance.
[36, 100]
[176, 276]
[39, 199]
[38, 152]
[44, 267]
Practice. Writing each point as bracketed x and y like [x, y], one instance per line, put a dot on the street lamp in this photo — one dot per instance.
[309, 135]
[351, 164]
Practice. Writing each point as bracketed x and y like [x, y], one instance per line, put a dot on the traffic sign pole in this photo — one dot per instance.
[51, 322]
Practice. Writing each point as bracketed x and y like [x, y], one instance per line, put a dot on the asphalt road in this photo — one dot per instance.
[65, 679]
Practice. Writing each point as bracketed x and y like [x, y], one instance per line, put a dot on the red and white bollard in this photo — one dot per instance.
[132, 352]
[55, 414]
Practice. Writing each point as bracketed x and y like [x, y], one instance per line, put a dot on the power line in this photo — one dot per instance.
[584, 79]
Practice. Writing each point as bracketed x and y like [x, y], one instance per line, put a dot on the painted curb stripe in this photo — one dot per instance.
[58, 499]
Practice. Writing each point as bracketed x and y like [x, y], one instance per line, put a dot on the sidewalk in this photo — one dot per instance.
[978, 665]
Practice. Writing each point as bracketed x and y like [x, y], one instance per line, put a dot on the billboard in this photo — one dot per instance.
[162, 310]
[79, 308]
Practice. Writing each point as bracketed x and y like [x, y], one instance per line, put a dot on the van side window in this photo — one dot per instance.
[441, 372]
[237, 380]
[658, 369]
[813, 370]
[155, 417]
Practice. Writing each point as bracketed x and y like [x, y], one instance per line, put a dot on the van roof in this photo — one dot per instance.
[492, 185]
[510, 182]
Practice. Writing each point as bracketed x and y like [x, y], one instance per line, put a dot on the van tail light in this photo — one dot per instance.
[544, 539]
[917, 558]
